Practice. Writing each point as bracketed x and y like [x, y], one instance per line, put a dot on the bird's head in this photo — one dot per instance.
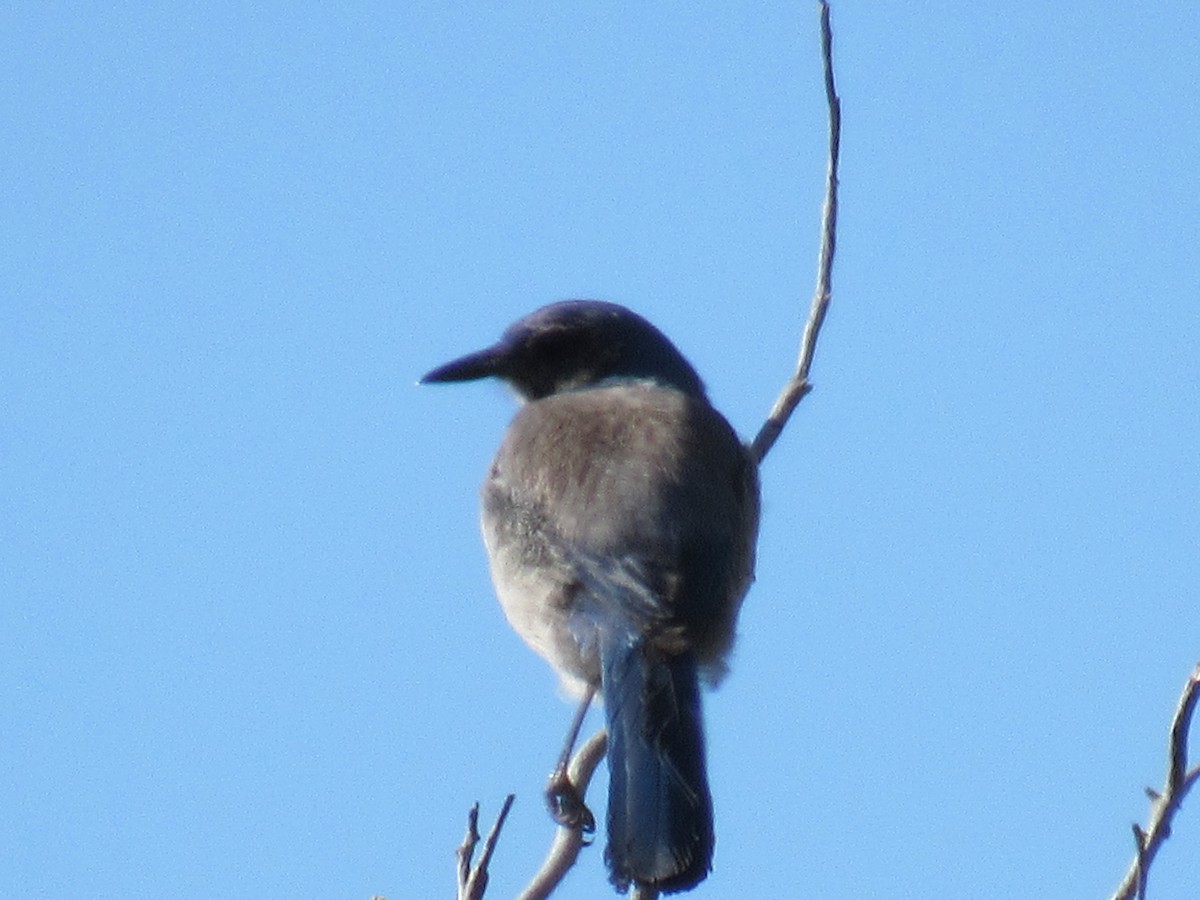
[575, 344]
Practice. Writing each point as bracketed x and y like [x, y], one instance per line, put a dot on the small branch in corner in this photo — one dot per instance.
[1164, 804]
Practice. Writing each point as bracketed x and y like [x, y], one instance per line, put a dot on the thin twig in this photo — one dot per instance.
[489, 845]
[1165, 803]
[473, 880]
[798, 385]
[567, 843]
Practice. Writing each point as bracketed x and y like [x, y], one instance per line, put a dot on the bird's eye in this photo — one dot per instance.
[554, 350]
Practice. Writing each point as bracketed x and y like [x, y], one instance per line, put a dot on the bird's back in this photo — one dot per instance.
[648, 483]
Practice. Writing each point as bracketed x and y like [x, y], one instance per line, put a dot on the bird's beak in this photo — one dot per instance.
[481, 364]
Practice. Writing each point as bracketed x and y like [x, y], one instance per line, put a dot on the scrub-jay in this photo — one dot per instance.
[620, 517]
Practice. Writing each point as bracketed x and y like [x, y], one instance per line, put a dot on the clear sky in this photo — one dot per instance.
[248, 646]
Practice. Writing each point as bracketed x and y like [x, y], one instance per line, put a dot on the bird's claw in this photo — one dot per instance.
[566, 805]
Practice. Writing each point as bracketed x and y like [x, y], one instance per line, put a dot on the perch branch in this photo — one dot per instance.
[568, 841]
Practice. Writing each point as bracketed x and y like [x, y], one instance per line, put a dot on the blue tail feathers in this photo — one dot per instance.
[660, 822]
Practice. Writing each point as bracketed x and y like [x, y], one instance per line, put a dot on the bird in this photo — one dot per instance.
[620, 518]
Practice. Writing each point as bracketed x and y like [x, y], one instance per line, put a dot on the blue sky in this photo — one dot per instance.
[248, 647]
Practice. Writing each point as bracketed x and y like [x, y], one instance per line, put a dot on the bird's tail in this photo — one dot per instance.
[660, 823]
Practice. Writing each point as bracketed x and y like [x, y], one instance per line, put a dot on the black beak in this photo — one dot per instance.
[481, 364]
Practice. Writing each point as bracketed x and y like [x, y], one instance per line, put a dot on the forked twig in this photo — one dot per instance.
[473, 880]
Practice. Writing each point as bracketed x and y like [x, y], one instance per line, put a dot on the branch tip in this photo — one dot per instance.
[798, 386]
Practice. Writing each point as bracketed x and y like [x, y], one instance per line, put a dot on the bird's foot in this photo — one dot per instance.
[566, 804]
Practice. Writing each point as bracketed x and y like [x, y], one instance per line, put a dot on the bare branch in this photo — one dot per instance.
[798, 385]
[567, 843]
[472, 881]
[1165, 803]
